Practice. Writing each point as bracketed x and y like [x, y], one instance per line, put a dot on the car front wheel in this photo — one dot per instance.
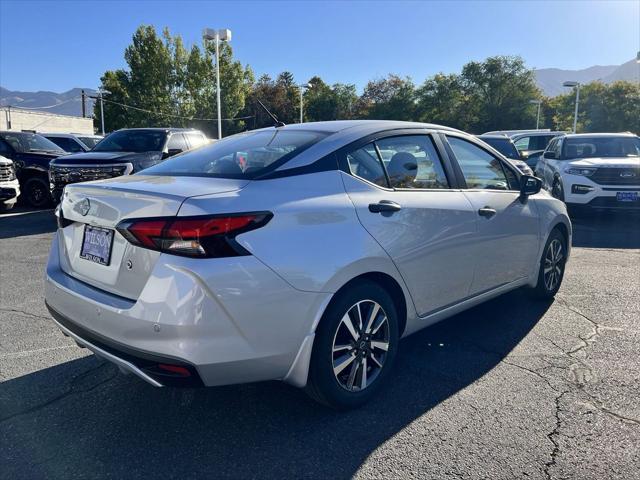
[552, 265]
[36, 192]
[354, 347]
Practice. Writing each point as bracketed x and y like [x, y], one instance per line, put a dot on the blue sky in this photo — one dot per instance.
[57, 45]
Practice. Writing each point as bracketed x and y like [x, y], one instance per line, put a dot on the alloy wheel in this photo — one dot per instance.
[553, 265]
[360, 345]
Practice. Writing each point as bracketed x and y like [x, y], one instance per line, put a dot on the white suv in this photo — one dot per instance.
[9, 186]
[597, 170]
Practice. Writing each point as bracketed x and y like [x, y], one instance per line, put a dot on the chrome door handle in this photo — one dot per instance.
[486, 212]
[384, 206]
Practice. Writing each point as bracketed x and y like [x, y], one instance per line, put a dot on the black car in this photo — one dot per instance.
[506, 147]
[122, 152]
[31, 154]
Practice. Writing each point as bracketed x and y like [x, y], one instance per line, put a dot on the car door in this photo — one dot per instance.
[405, 197]
[551, 163]
[507, 239]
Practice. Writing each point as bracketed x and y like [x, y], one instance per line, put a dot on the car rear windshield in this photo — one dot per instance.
[133, 141]
[504, 145]
[243, 156]
[30, 142]
[601, 147]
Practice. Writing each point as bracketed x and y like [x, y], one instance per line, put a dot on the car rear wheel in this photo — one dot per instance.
[552, 265]
[36, 192]
[354, 347]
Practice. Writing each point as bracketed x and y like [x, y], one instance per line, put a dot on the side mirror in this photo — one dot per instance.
[529, 185]
[549, 154]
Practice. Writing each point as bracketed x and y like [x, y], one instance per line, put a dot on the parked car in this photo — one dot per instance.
[597, 170]
[505, 146]
[297, 253]
[31, 154]
[9, 185]
[121, 153]
[529, 143]
[73, 143]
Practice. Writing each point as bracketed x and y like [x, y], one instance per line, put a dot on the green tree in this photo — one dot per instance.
[498, 92]
[391, 98]
[442, 100]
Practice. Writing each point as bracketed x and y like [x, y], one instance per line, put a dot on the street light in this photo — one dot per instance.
[302, 86]
[537, 102]
[572, 84]
[102, 92]
[224, 35]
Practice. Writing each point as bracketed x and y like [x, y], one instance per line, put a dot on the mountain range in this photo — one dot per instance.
[66, 103]
[549, 80]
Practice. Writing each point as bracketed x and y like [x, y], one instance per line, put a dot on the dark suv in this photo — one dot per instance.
[31, 154]
[121, 153]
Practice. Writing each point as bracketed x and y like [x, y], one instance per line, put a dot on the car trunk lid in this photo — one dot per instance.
[103, 204]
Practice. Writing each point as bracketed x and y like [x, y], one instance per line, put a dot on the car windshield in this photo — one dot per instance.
[504, 145]
[90, 141]
[30, 142]
[244, 156]
[133, 141]
[601, 147]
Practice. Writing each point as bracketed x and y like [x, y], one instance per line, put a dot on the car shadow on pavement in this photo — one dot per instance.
[606, 230]
[18, 224]
[83, 419]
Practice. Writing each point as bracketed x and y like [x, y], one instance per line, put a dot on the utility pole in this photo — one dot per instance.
[84, 107]
[218, 35]
[302, 87]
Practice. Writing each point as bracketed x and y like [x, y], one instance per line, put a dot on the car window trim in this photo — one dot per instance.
[503, 163]
[452, 179]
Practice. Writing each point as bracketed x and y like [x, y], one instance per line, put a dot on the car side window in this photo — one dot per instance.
[66, 144]
[412, 161]
[177, 142]
[523, 143]
[364, 163]
[481, 170]
[195, 139]
[5, 149]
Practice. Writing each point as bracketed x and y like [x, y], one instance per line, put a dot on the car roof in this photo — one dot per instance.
[335, 126]
[496, 136]
[589, 135]
[160, 129]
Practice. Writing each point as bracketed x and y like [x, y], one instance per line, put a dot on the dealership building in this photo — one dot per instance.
[12, 118]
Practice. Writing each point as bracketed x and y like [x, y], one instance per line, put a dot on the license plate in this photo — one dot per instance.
[96, 244]
[627, 196]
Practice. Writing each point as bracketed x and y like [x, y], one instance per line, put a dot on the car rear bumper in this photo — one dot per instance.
[235, 325]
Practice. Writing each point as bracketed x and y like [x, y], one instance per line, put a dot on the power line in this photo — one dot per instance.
[39, 108]
[171, 115]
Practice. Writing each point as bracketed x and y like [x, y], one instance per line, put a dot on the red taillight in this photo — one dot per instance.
[175, 369]
[205, 236]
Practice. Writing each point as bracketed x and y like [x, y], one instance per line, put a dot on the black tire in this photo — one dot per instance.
[36, 192]
[333, 389]
[545, 289]
[556, 190]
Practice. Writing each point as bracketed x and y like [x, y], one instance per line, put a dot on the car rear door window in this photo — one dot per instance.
[481, 170]
[67, 144]
[412, 161]
[177, 143]
[364, 163]
[195, 139]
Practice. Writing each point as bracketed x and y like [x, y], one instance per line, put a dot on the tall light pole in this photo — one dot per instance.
[101, 92]
[223, 35]
[537, 102]
[302, 86]
[572, 84]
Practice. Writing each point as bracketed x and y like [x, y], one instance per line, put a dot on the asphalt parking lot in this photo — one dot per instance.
[510, 389]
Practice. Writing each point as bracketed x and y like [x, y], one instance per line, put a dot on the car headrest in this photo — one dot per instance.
[403, 165]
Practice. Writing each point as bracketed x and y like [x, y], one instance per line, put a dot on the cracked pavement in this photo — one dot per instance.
[510, 389]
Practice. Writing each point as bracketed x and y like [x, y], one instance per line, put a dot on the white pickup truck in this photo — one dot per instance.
[9, 186]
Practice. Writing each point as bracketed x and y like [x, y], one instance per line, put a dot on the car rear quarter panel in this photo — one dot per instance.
[314, 240]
